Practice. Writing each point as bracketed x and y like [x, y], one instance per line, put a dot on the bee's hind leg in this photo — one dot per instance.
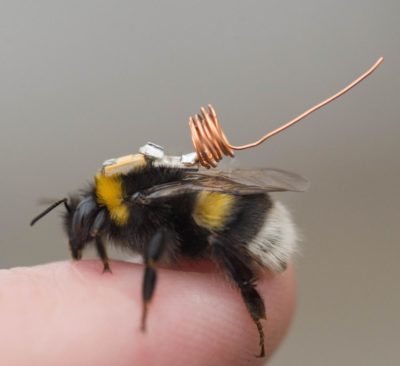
[237, 264]
[152, 253]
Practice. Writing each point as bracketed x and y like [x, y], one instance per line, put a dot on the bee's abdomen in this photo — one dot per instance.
[276, 240]
[213, 210]
[261, 227]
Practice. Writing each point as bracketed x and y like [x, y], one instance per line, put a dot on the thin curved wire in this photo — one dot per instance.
[211, 144]
[311, 110]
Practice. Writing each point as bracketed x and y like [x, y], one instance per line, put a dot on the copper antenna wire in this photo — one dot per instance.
[211, 144]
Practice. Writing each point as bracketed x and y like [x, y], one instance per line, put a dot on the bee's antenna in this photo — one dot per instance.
[211, 144]
[51, 207]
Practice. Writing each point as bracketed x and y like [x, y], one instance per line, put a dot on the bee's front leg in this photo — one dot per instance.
[97, 229]
[102, 252]
[152, 253]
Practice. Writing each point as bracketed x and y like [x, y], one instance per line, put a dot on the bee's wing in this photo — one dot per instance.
[237, 182]
[269, 179]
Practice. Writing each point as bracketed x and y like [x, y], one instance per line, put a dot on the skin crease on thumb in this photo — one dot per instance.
[69, 313]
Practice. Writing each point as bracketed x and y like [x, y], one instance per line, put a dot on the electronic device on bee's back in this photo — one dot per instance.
[170, 207]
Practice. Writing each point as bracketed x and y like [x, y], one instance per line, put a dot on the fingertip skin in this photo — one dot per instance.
[68, 313]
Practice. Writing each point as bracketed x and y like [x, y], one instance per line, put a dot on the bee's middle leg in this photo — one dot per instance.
[152, 253]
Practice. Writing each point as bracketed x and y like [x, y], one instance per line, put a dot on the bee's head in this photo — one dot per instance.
[83, 220]
[79, 220]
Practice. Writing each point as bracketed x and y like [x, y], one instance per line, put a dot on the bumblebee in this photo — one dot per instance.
[165, 212]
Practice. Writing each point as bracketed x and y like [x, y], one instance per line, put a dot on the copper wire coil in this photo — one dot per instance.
[208, 138]
[211, 144]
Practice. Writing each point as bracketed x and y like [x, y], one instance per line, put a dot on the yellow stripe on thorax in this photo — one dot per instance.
[109, 192]
[212, 209]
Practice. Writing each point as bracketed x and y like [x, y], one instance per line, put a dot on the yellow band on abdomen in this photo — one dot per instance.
[212, 209]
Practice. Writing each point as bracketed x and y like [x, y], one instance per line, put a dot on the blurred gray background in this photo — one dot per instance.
[83, 81]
